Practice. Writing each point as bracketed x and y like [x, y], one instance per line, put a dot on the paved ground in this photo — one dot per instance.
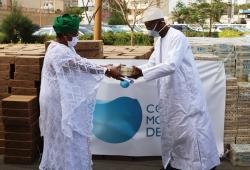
[119, 163]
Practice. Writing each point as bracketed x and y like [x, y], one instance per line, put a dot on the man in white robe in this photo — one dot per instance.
[187, 138]
[67, 100]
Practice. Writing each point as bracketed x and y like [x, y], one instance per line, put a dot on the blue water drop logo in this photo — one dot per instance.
[117, 121]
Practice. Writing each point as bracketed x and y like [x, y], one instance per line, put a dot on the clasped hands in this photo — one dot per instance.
[116, 72]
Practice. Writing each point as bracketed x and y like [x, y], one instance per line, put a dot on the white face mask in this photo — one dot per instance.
[73, 42]
[155, 33]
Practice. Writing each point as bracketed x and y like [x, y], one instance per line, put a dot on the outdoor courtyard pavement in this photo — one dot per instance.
[119, 163]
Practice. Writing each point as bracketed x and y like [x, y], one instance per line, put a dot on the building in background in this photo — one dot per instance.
[47, 5]
[6, 3]
[140, 6]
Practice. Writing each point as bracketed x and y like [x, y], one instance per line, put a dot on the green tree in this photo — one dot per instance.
[180, 13]
[216, 10]
[198, 14]
[122, 7]
[116, 19]
[238, 7]
[75, 11]
[17, 27]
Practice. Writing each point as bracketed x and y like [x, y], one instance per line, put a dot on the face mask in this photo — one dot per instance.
[153, 33]
[73, 42]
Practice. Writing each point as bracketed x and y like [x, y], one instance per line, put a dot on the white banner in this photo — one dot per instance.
[126, 120]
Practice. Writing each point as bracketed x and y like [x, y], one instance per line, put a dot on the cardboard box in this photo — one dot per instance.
[20, 102]
[4, 67]
[7, 59]
[242, 140]
[89, 45]
[19, 112]
[27, 76]
[4, 82]
[4, 75]
[22, 144]
[4, 89]
[244, 132]
[1, 126]
[224, 47]
[24, 91]
[1, 134]
[240, 154]
[229, 140]
[84, 44]
[122, 57]
[197, 49]
[242, 55]
[18, 160]
[24, 83]
[231, 81]
[29, 60]
[19, 121]
[242, 48]
[4, 95]
[19, 152]
[91, 54]
[28, 128]
[1, 150]
[22, 136]
[244, 111]
[34, 69]
[1, 142]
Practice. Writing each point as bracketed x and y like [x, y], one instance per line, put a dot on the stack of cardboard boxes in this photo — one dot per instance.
[27, 75]
[6, 65]
[240, 154]
[22, 137]
[202, 49]
[92, 49]
[127, 52]
[243, 62]
[20, 74]
[227, 53]
[230, 124]
[243, 116]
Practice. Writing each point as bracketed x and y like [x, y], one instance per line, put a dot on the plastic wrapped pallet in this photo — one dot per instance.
[244, 91]
[223, 48]
[240, 154]
[243, 61]
[202, 49]
[242, 48]
[230, 125]
[243, 140]
[229, 62]
[208, 57]
[231, 81]
[243, 115]
[243, 69]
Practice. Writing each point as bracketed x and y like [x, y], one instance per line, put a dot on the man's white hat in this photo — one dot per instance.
[152, 14]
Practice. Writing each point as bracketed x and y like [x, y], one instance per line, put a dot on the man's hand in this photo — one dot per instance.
[137, 72]
[114, 72]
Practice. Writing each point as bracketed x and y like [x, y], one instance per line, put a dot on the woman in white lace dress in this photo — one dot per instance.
[67, 99]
